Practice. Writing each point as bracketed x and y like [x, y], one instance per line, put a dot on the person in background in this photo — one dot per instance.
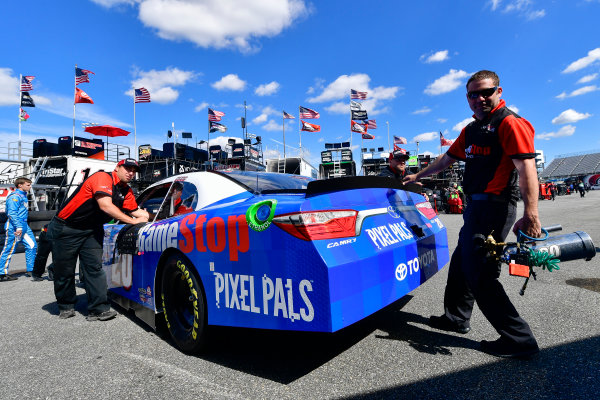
[397, 167]
[17, 229]
[41, 257]
[497, 147]
[77, 231]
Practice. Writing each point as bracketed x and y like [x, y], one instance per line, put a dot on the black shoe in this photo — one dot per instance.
[50, 273]
[443, 323]
[28, 274]
[103, 316]
[506, 349]
[6, 278]
[64, 314]
[36, 278]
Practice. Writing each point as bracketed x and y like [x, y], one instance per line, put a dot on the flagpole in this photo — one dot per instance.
[283, 125]
[20, 80]
[300, 134]
[389, 143]
[208, 146]
[351, 123]
[74, 94]
[134, 129]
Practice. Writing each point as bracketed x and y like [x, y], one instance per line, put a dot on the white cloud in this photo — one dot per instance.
[161, 84]
[264, 115]
[569, 116]
[592, 57]
[426, 137]
[9, 87]
[201, 107]
[458, 127]
[423, 110]
[442, 120]
[567, 130]
[578, 92]
[523, 8]
[513, 108]
[114, 3]
[220, 24]
[272, 126]
[340, 89]
[588, 78]
[230, 82]
[438, 56]
[447, 83]
[267, 89]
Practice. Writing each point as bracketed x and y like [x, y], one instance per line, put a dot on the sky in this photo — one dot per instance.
[412, 58]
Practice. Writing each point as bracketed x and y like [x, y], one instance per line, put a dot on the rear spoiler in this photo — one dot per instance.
[322, 186]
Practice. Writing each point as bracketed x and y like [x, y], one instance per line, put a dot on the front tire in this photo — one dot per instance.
[184, 308]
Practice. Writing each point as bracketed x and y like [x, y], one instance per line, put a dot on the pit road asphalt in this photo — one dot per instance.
[392, 354]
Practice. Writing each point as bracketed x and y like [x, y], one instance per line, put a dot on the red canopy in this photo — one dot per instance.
[106, 130]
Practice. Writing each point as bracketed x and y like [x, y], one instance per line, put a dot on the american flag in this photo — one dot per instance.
[142, 95]
[368, 136]
[26, 83]
[371, 124]
[400, 140]
[308, 113]
[354, 94]
[215, 115]
[81, 75]
[288, 116]
[444, 141]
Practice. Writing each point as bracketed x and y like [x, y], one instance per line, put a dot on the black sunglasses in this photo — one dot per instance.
[485, 93]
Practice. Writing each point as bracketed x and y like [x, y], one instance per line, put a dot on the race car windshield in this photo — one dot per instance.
[266, 182]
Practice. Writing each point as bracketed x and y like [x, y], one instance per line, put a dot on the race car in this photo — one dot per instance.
[270, 251]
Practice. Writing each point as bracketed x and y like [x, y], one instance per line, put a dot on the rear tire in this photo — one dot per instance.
[184, 308]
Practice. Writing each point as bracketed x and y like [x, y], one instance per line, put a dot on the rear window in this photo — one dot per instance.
[264, 182]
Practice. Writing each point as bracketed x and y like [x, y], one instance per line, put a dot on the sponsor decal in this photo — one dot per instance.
[260, 215]
[475, 150]
[193, 298]
[393, 211]
[341, 243]
[426, 210]
[214, 235]
[390, 234]
[405, 269]
[245, 292]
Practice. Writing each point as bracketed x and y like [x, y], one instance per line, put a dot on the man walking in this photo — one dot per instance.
[495, 147]
[17, 229]
[77, 231]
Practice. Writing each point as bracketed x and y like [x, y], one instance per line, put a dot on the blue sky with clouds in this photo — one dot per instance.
[413, 59]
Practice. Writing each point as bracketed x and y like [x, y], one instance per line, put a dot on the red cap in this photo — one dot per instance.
[129, 162]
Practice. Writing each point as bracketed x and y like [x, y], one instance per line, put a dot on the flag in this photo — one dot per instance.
[288, 116]
[444, 141]
[396, 147]
[23, 116]
[308, 113]
[81, 75]
[400, 140]
[141, 95]
[359, 115]
[310, 127]
[26, 100]
[368, 136]
[371, 124]
[356, 106]
[214, 127]
[82, 97]
[215, 115]
[26, 83]
[354, 94]
[356, 127]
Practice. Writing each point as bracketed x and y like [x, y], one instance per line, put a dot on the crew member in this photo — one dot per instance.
[178, 206]
[495, 147]
[397, 167]
[17, 229]
[77, 231]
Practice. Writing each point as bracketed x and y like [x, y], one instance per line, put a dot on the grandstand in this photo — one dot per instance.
[575, 165]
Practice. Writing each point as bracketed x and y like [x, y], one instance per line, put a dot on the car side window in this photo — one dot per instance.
[181, 199]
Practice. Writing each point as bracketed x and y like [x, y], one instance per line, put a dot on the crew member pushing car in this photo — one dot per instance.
[77, 231]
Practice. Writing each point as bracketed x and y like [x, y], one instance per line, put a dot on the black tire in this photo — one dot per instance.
[45, 215]
[184, 308]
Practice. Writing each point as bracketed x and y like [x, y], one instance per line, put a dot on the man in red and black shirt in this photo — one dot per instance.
[495, 147]
[77, 231]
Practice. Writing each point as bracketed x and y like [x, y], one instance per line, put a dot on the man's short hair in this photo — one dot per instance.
[484, 74]
[21, 180]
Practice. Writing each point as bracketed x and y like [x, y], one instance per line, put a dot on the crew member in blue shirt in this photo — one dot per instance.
[17, 229]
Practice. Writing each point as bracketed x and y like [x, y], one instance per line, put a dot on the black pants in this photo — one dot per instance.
[41, 257]
[67, 244]
[472, 278]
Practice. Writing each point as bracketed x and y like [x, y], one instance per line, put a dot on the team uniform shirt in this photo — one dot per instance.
[391, 174]
[488, 146]
[82, 210]
[16, 209]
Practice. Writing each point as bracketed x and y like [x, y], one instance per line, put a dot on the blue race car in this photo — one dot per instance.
[271, 251]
